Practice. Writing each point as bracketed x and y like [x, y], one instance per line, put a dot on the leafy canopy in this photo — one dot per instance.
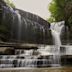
[10, 3]
[61, 10]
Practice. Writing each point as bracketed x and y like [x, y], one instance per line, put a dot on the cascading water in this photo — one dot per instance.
[45, 56]
[56, 29]
[19, 25]
[27, 27]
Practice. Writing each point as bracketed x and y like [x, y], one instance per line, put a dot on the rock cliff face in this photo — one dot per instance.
[66, 36]
[20, 26]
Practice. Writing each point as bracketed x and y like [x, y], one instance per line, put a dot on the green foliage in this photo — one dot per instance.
[51, 19]
[61, 10]
[57, 10]
[10, 3]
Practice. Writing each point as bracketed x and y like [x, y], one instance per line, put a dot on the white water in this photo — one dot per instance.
[46, 55]
[56, 29]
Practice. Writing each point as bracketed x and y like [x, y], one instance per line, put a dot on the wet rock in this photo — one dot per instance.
[62, 49]
[9, 51]
[66, 36]
[66, 60]
[15, 63]
[43, 61]
[24, 27]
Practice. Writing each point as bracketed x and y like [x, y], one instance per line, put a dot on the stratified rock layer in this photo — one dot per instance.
[20, 26]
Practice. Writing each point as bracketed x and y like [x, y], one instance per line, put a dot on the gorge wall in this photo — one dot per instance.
[20, 26]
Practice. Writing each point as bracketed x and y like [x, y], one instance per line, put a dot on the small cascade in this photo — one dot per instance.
[26, 58]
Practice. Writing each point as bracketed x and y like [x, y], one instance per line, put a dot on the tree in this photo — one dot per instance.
[61, 10]
[10, 3]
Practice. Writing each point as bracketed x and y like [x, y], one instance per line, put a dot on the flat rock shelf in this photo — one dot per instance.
[52, 69]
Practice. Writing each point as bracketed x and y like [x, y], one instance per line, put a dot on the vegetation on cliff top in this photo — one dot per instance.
[10, 3]
[61, 10]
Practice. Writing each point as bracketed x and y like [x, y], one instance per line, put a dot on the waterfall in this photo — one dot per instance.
[46, 55]
[30, 28]
[56, 29]
[19, 25]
